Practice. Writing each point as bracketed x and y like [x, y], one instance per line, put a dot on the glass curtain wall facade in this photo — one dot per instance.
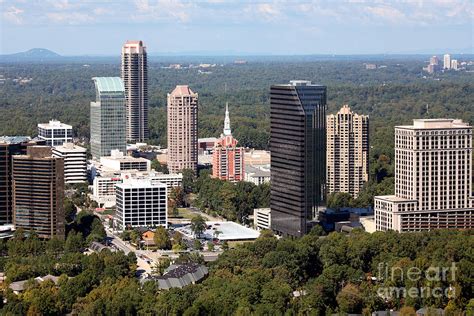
[108, 121]
[298, 160]
[135, 79]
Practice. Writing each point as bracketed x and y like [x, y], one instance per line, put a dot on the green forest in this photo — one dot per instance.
[313, 275]
[392, 95]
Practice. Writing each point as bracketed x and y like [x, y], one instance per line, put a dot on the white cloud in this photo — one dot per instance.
[262, 11]
[268, 9]
[386, 12]
[14, 15]
[163, 10]
[70, 18]
[317, 13]
[101, 11]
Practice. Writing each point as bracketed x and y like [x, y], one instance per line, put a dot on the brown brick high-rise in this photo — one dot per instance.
[38, 192]
[182, 129]
[10, 146]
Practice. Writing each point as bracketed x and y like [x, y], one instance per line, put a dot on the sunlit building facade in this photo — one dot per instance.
[227, 158]
[107, 117]
[347, 151]
[433, 178]
[135, 80]
[182, 129]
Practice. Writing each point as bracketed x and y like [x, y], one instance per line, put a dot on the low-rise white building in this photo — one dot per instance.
[55, 133]
[75, 162]
[103, 189]
[170, 180]
[368, 222]
[141, 203]
[257, 174]
[118, 161]
[262, 218]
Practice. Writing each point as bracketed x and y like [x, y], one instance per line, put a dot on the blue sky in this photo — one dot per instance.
[100, 27]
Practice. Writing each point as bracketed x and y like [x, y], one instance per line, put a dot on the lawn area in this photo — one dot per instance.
[187, 214]
[108, 212]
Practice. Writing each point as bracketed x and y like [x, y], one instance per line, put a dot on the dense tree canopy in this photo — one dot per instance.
[336, 273]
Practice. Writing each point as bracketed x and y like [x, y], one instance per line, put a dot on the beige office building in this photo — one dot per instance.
[433, 178]
[447, 61]
[182, 129]
[347, 152]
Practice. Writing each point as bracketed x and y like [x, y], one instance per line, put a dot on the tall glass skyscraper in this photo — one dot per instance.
[108, 117]
[135, 80]
[298, 160]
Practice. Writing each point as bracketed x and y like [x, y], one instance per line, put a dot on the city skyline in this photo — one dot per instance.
[343, 27]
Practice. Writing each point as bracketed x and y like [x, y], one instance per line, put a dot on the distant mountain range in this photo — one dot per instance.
[32, 54]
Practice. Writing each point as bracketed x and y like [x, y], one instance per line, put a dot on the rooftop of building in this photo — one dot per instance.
[182, 90]
[207, 140]
[37, 152]
[257, 157]
[14, 139]
[263, 210]
[180, 275]
[228, 231]
[134, 183]
[151, 174]
[117, 155]
[393, 198]
[19, 286]
[54, 124]
[70, 147]
[133, 42]
[440, 123]
[345, 109]
[258, 170]
[109, 84]
[300, 83]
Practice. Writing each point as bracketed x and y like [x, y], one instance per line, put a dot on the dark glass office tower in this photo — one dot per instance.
[298, 155]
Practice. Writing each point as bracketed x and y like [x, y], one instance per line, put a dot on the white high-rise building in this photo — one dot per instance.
[55, 133]
[75, 162]
[454, 64]
[347, 151]
[433, 178]
[447, 61]
[141, 203]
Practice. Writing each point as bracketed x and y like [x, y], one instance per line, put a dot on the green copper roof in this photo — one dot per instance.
[108, 84]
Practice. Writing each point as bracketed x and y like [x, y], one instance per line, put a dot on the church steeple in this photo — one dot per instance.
[227, 131]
